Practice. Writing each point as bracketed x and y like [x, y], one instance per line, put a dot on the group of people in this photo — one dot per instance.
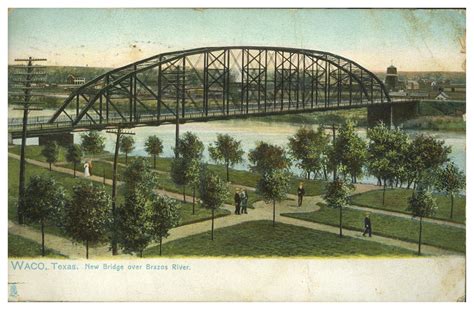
[241, 199]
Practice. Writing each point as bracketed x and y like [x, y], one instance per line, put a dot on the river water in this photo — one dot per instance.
[251, 131]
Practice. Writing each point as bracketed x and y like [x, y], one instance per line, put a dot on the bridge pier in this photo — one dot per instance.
[391, 114]
[63, 139]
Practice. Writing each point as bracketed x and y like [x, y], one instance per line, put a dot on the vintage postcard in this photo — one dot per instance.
[166, 154]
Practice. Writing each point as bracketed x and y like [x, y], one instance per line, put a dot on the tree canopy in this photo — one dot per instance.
[154, 147]
[227, 150]
[189, 146]
[164, 216]
[127, 145]
[92, 142]
[266, 157]
[51, 152]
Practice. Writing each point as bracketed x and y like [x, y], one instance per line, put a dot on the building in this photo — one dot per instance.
[412, 85]
[73, 80]
[442, 96]
[391, 78]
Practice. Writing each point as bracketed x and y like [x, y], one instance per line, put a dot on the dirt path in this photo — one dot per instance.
[262, 211]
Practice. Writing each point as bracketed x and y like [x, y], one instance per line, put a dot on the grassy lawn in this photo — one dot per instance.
[442, 236]
[397, 200]
[260, 239]
[22, 247]
[34, 152]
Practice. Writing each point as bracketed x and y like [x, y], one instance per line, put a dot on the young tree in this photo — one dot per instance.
[189, 146]
[227, 150]
[74, 155]
[213, 192]
[425, 155]
[450, 180]
[266, 157]
[164, 216]
[132, 224]
[154, 146]
[44, 201]
[307, 146]
[273, 187]
[127, 145]
[92, 142]
[349, 151]
[87, 215]
[421, 204]
[337, 196]
[51, 152]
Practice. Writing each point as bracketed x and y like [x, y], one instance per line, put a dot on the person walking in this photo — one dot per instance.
[367, 226]
[300, 194]
[86, 170]
[237, 201]
[243, 201]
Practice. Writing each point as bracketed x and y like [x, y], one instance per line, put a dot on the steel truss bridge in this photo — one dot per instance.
[212, 83]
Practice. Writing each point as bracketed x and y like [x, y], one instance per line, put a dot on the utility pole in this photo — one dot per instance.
[26, 79]
[119, 132]
[334, 145]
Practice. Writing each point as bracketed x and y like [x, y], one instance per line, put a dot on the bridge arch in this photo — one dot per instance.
[221, 82]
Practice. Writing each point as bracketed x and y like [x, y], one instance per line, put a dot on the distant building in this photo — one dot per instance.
[412, 85]
[71, 79]
[399, 93]
[391, 78]
[442, 96]
[455, 88]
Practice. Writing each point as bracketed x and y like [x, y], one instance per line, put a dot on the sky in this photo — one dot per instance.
[413, 40]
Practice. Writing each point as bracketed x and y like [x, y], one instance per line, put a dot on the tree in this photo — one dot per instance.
[185, 172]
[74, 155]
[189, 146]
[450, 180]
[92, 142]
[154, 146]
[51, 152]
[44, 201]
[227, 150]
[307, 146]
[349, 151]
[424, 156]
[164, 216]
[387, 151]
[421, 204]
[266, 157]
[133, 217]
[87, 215]
[213, 192]
[273, 187]
[337, 196]
[127, 145]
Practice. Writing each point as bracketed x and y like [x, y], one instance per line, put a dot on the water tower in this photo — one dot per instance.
[391, 79]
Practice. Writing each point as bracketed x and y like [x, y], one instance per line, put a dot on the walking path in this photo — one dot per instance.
[261, 212]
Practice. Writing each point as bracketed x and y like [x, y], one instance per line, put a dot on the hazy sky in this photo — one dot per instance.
[415, 40]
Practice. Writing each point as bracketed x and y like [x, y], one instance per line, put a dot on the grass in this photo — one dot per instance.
[22, 247]
[449, 123]
[451, 238]
[260, 239]
[34, 152]
[397, 200]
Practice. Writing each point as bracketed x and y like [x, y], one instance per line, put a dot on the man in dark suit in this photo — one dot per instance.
[368, 226]
[237, 201]
[300, 194]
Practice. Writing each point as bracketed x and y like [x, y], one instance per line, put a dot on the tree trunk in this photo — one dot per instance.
[452, 206]
[126, 158]
[227, 171]
[419, 237]
[325, 173]
[154, 161]
[74, 169]
[87, 249]
[42, 238]
[161, 243]
[141, 253]
[184, 193]
[340, 221]
[50, 167]
[273, 213]
[383, 195]
[212, 225]
[308, 175]
[194, 197]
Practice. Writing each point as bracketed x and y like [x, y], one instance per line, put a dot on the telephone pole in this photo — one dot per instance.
[119, 132]
[26, 79]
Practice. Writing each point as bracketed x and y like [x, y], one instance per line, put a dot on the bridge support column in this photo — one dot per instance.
[10, 139]
[63, 139]
[378, 113]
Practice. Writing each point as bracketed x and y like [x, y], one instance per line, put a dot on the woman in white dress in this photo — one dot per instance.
[86, 170]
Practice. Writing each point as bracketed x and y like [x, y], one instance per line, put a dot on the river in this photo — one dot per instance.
[251, 131]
